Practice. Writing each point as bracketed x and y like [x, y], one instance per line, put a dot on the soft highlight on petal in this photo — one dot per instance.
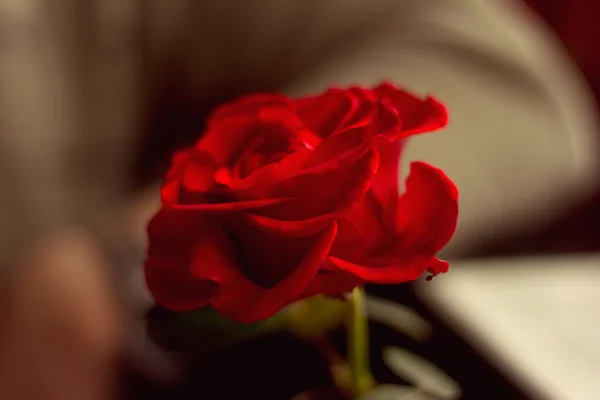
[334, 188]
[406, 270]
[428, 210]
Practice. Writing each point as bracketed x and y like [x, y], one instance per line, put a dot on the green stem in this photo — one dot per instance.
[358, 343]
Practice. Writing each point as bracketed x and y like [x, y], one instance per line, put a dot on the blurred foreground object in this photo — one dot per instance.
[60, 328]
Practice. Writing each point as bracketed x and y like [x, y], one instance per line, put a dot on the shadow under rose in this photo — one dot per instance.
[276, 365]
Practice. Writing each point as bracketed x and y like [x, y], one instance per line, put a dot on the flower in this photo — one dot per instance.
[284, 199]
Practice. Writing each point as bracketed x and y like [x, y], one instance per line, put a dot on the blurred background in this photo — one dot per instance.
[96, 95]
[574, 24]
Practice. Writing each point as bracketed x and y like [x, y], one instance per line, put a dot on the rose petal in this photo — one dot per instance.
[168, 274]
[384, 184]
[174, 288]
[409, 269]
[169, 192]
[415, 114]
[301, 132]
[431, 117]
[177, 162]
[332, 281]
[361, 229]
[265, 256]
[437, 266]
[275, 126]
[198, 172]
[242, 300]
[290, 228]
[332, 186]
[300, 140]
[192, 173]
[386, 121]
[261, 182]
[426, 220]
[364, 111]
[323, 114]
[224, 140]
[347, 145]
[427, 211]
[227, 207]
[288, 210]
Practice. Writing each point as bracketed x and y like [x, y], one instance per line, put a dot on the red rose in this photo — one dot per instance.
[283, 199]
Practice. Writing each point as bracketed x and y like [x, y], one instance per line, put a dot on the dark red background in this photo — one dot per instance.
[576, 24]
